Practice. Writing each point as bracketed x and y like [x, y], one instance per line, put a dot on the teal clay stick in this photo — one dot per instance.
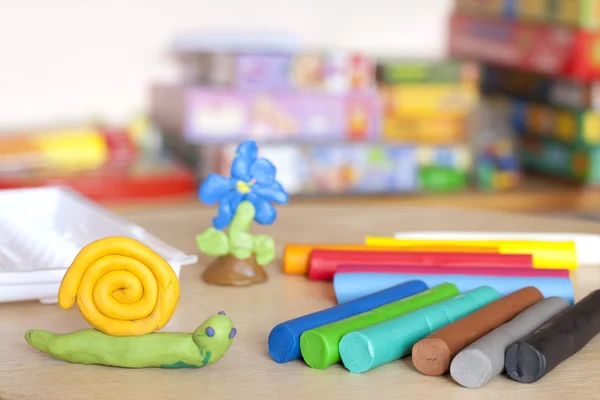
[379, 344]
[484, 359]
[319, 346]
[204, 346]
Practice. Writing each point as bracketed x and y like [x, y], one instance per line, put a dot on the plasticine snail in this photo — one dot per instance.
[204, 346]
[127, 292]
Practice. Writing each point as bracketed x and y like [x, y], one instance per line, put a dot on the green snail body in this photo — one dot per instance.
[204, 346]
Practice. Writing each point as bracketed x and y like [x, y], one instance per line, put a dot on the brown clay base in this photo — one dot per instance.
[230, 271]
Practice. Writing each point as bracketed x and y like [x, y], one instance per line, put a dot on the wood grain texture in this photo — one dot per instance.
[246, 371]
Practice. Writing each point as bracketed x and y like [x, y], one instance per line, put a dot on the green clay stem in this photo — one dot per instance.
[240, 240]
[158, 349]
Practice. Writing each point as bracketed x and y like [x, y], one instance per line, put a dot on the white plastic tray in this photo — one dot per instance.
[43, 229]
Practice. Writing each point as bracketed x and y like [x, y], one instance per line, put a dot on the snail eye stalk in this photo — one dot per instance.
[210, 332]
[232, 333]
[221, 312]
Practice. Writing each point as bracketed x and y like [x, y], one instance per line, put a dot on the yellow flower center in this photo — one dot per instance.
[243, 187]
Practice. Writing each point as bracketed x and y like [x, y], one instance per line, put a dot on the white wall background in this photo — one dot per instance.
[76, 59]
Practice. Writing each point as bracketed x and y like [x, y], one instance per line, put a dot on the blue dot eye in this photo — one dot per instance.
[210, 332]
[232, 333]
[221, 312]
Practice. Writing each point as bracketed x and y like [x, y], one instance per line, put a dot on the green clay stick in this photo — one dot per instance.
[319, 346]
[204, 346]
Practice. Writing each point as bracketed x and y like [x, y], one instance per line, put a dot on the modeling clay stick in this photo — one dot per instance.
[503, 271]
[348, 286]
[319, 346]
[553, 255]
[296, 256]
[284, 339]
[323, 263]
[382, 343]
[586, 244]
[482, 360]
[534, 356]
[433, 354]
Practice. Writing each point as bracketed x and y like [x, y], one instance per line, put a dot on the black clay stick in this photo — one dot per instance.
[484, 359]
[534, 356]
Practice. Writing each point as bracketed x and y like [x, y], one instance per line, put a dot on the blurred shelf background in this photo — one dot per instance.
[507, 118]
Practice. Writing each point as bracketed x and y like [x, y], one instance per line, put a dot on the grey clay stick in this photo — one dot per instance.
[534, 356]
[481, 361]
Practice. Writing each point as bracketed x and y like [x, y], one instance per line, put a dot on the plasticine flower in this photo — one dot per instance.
[252, 179]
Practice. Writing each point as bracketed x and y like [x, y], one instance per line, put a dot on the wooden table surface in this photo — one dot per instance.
[246, 371]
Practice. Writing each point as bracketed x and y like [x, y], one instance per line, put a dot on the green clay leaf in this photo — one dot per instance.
[213, 242]
[264, 248]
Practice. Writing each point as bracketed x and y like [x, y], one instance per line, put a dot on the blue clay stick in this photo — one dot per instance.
[382, 343]
[349, 286]
[284, 339]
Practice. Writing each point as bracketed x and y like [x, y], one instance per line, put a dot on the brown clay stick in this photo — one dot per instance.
[433, 354]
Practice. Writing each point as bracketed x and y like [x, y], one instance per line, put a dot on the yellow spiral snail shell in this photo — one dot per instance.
[121, 287]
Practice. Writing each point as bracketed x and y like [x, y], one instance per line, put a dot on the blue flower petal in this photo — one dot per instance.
[273, 192]
[263, 171]
[227, 207]
[214, 188]
[245, 156]
[265, 213]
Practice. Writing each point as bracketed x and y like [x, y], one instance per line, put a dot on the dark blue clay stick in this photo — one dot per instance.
[533, 357]
[284, 339]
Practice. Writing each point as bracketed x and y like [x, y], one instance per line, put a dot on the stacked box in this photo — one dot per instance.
[583, 14]
[529, 86]
[335, 72]
[339, 168]
[208, 115]
[552, 157]
[545, 49]
[540, 63]
[318, 114]
[426, 101]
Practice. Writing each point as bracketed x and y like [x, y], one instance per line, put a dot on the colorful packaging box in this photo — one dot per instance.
[339, 168]
[426, 131]
[427, 71]
[580, 128]
[429, 100]
[334, 72]
[551, 157]
[429, 114]
[204, 115]
[572, 127]
[530, 86]
[569, 53]
[583, 14]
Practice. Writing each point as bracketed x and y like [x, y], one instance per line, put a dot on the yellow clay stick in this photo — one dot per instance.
[546, 255]
[121, 286]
